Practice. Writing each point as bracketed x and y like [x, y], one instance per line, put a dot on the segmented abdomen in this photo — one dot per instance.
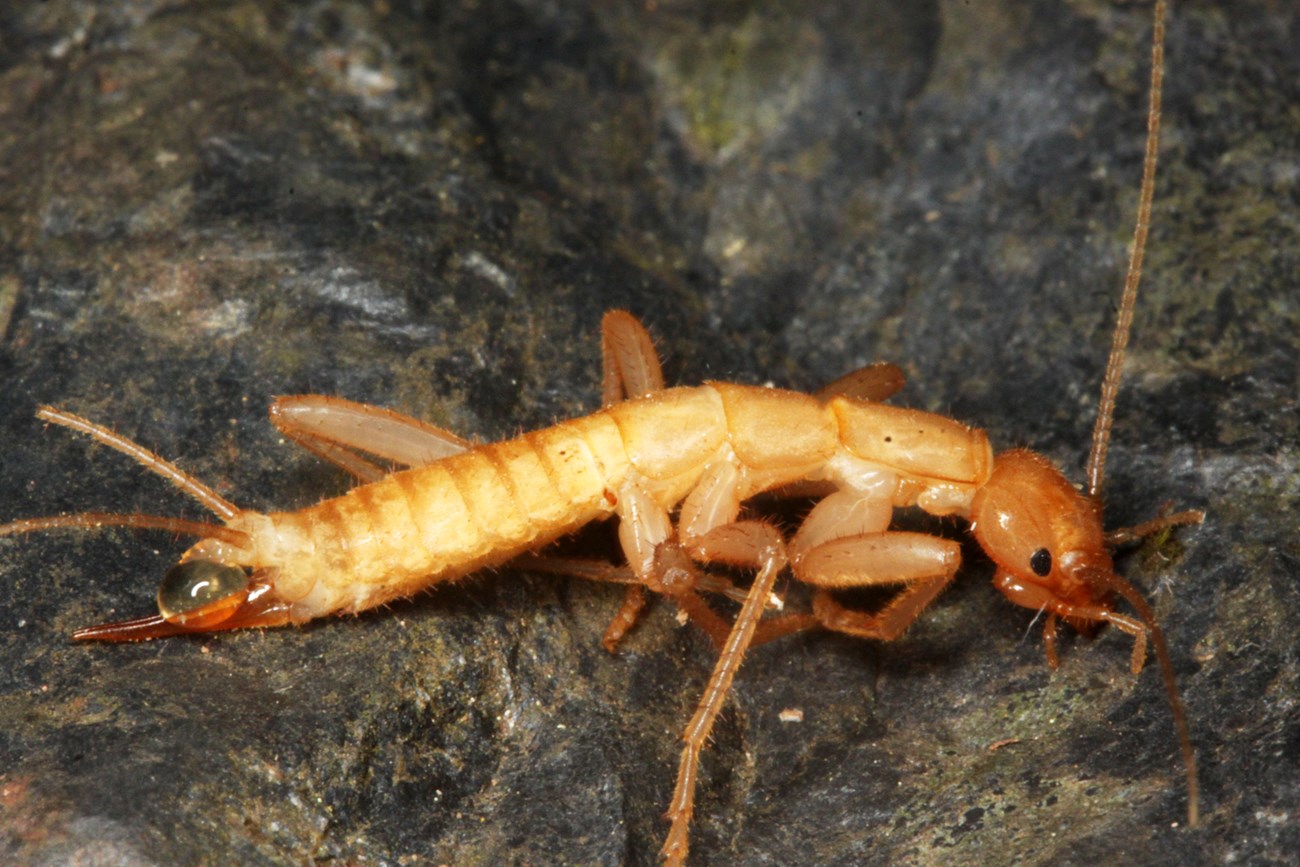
[414, 528]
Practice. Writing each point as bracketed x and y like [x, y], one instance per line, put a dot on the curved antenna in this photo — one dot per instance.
[223, 508]
[1124, 321]
[95, 520]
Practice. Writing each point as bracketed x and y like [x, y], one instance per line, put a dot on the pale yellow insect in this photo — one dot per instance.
[651, 454]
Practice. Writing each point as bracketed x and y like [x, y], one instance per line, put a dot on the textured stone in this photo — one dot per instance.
[428, 207]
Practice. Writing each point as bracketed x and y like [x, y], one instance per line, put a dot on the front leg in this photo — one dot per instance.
[923, 564]
[844, 543]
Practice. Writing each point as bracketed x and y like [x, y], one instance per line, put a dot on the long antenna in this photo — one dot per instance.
[223, 508]
[1124, 321]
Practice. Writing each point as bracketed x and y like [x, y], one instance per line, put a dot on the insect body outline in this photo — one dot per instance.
[711, 490]
[358, 552]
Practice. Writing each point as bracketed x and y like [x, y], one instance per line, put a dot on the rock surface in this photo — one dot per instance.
[429, 206]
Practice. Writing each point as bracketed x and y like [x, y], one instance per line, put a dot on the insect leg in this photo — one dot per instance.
[337, 430]
[631, 365]
[629, 369]
[646, 535]
[924, 564]
[709, 532]
[844, 542]
[748, 542]
[1049, 641]
[598, 570]
[711, 506]
[873, 383]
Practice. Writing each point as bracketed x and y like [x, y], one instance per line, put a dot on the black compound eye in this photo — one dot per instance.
[1041, 562]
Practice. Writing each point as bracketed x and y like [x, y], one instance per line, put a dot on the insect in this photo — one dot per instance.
[459, 508]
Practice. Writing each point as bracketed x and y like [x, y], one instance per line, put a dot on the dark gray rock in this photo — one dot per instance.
[428, 206]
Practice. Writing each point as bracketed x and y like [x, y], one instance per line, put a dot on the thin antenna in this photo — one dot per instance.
[223, 508]
[1124, 321]
[96, 520]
